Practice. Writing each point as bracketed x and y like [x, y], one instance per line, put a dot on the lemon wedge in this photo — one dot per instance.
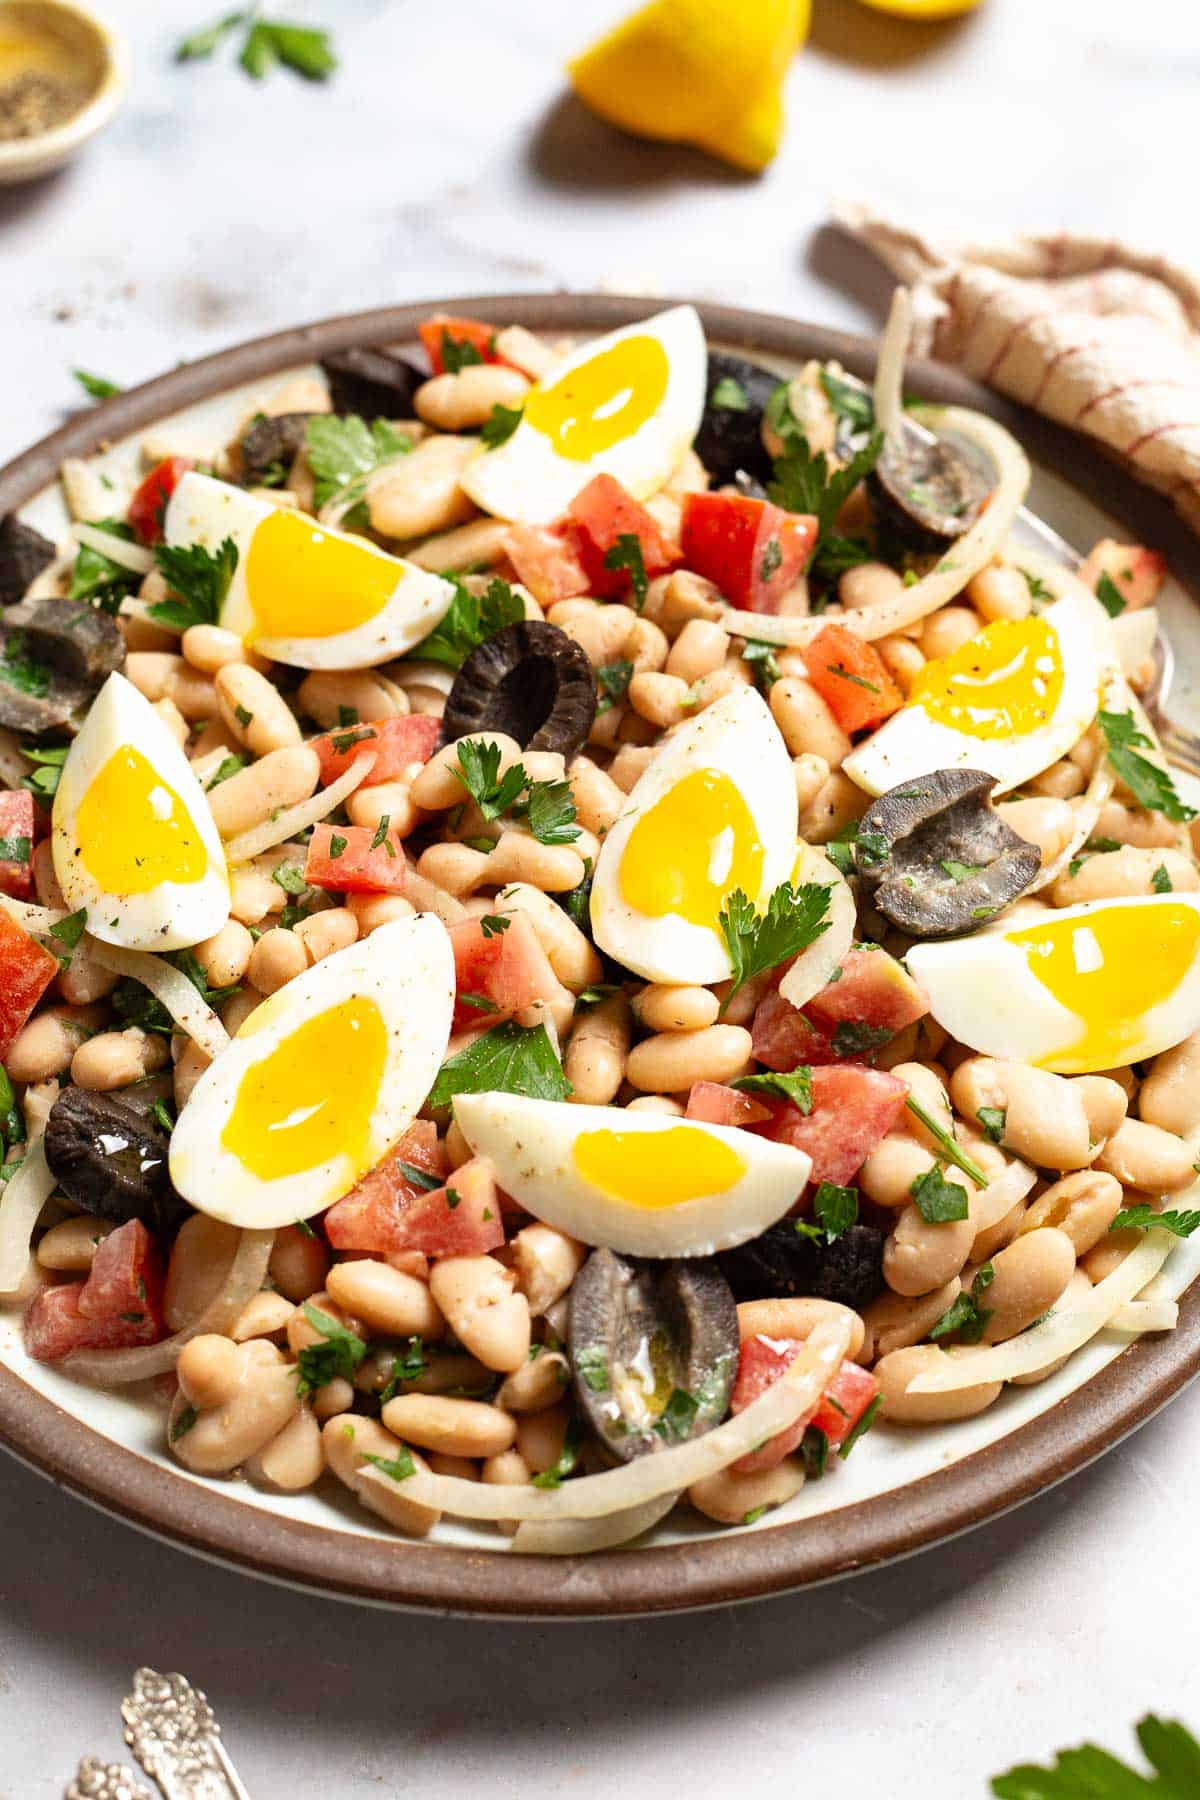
[703, 72]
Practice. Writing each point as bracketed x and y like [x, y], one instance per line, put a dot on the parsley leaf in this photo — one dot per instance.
[470, 619]
[479, 771]
[993, 1119]
[204, 42]
[228, 765]
[568, 1459]
[836, 1208]
[729, 396]
[613, 680]
[1161, 882]
[44, 780]
[399, 1467]
[863, 1426]
[1110, 596]
[805, 483]
[97, 387]
[68, 932]
[1090, 1773]
[499, 427]
[960, 871]
[138, 1006]
[183, 1424]
[852, 1038]
[965, 1316]
[794, 919]
[626, 554]
[339, 1354]
[1150, 786]
[814, 1452]
[551, 812]
[20, 670]
[677, 1417]
[494, 924]
[946, 1142]
[1144, 1218]
[508, 1059]
[1039, 593]
[848, 400]
[939, 1201]
[199, 581]
[796, 1087]
[458, 353]
[761, 658]
[96, 578]
[303, 49]
[342, 452]
[420, 1178]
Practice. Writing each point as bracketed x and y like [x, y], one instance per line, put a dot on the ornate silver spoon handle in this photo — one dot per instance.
[96, 1780]
[173, 1732]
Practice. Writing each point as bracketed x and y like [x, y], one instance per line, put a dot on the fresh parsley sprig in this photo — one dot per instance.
[342, 453]
[1144, 1218]
[796, 1087]
[965, 1318]
[756, 942]
[805, 483]
[338, 1355]
[626, 554]
[508, 1059]
[1090, 1773]
[304, 49]
[96, 578]
[836, 1209]
[469, 620]
[947, 1143]
[1150, 786]
[500, 425]
[546, 806]
[199, 580]
[96, 387]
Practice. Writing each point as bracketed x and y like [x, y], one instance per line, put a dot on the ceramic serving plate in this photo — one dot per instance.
[903, 1490]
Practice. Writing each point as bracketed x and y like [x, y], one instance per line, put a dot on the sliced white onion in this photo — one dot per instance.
[412, 671]
[116, 1368]
[787, 631]
[889, 370]
[581, 1537]
[1057, 1336]
[1146, 1315]
[117, 549]
[794, 1396]
[997, 1199]
[814, 968]
[21, 1200]
[34, 919]
[1134, 634]
[427, 896]
[13, 765]
[295, 819]
[170, 986]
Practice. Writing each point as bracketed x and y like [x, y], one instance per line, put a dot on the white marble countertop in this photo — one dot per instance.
[443, 159]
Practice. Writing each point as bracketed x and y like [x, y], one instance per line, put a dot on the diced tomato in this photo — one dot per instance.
[505, 969]
[853, 1110]
[784, 1037]
[844, 1402]
[546, 558]
[480, 336]
[347, 860]
[603, 513]
[752, 549]
[149, 502]
[397, 745]
[760, 1365]
[117, 1307]
[717, 1104]
[852, 678]
[874, 990]
[18, 829]
[371, 1215]
[463, 1218]
[1135, 572]
[26, 971]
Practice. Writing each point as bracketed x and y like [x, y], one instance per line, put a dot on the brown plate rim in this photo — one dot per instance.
[711, 1571]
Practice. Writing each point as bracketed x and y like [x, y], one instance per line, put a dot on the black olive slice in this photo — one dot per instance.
[784, 1264]
[24, 553]
[271, 445]
[926, 491]
[110, 1159]
[938, 859]
[654, 1350]
[375, 384]
[54, 657]
[530, 681]
[729, 441]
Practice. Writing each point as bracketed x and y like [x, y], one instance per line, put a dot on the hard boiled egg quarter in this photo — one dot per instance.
[1011, 700]
[714, 811]
[640, 1183]
[133, 838]
[302, 593]
[320, 1081]
[1090, 987]
[626, 405]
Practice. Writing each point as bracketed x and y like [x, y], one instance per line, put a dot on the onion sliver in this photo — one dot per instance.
[247, 1272]
[580, 1537]
[34, 919]
[21, 1200]
[889, 369]
[997, 1199]
[793, 1397]
[1134, 634]
[1057, 1336]
[1146, 1315]
[813, 969]
[171, 987]
[295, 819]
[117, 549]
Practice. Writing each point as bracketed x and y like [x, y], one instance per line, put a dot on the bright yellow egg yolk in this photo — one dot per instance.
[691, 849]
[134, 832]
[1110, 968]
[657, 1169]
[310, 1099]
[304, 582]
[1004, 683]
[603, 401]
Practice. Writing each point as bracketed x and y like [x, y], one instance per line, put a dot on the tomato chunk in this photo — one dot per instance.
[398, 745]
[873, 990]
[717, 1104]
[500, 968]
[760, 1365]
[26, 971]
[1135, 572]
[546, 558]
[18, 828]
[463, 1218]
[149, 502]
[477, 335]
[348, 859]
[853, 1110]
[371, 1215]
[852, 678]
[117, 1307]
[784, 1037]
[751, 548]
[603, 513]
[844, 1402]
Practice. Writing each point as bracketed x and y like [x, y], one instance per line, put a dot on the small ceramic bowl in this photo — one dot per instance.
[97, 57]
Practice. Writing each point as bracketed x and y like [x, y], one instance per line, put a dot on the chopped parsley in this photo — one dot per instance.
[836, 1209]
[459, 353]
[613, 680]
[408, 1364]
[591, 1366]
[499, 427]
[67, 932]
[863, 1426]
[44, 780]
[993, 1119]
[945, 1139]
[198, 580]
[244, 717]
[678, 1417]
[772, 559]
[763, 663]
[343, 452]
[546, 805]
[183, 1424]
[796, 1087]
[469, 620]
[848, 400]
[96, 387]
[478, 1002]
[138, 1006]
[398, 1467]
[14, 849]
[756, 942]
[960, 871]
[845, 674]
[20, 670]
[965, 1318]
[814, 1452]
[1150, 786]
[1039, 593]
[852, 1038]
[420, 1178]
[567, 1461]
[96, 578]
[1161, 882]
[380, 840]
[508, 1059]
[729, 396]
[337, 846]
[229, 765]
[1144, 1218]
[304, 49]
[337, 1355]
[805, 483]
[626, 554]
[1110, 596]
[494, 924]
[939, 1202]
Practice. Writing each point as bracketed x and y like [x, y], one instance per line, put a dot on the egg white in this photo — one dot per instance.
[407, 968]
[205, 511]
[527, 480]
[531, 1143]
[172, 915]
[738, 737]
[911, 743]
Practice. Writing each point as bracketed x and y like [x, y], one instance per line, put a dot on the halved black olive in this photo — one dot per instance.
[54, 657]
[730, 437]
[269, 446]
[375, 384]
[530, 681]
[925, 490]
[654, 1350]
[937, 858]
[24, 553]
[784, 1264]
[110, 1159]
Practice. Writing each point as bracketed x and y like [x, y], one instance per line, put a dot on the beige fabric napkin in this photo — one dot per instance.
[1086, 330]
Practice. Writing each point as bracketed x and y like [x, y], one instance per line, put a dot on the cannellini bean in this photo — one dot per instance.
[477, 1297]
[519, 857]
[189, 1067]
[225, 956]
[1046, 1119]
[1063, 780]
[465, 399]
[684, 596]
[1146, 1156]
[420, 493]
[1113, 874]
[731, 1498]
[946, 631]
[888, 1173]
[894, 1372]
[1104, 1102]
[869, 584]
[299, 1263]
[540, 1436]
[1028, 1278]
[481, 543]
[919, 1256]
[1000, 592]
[264, 1315]
[1048, 823]
[302, 1334]
[159, 675]
[326, 932]
[209, 647]
[1130, 825]
[71, 1246]
[545, 1262]
[671, 1061]
[373, 910]
[1080, 1206]
[294, 1459]
[569, 952]
[894, 1321]
[902, 658]
[349, 1439]
[453, 1427]
[197, 1267]
[660, 699]
[597, 1052]
[253, 710]
[1170, 1095]
[391, 1303]
[115, 1059]
[209, 1370]
[700, 648]
[46, 1045]
[282, 778]
[226, 1435]
[537, 1384]
[277, 958]
[646, 646]
[439, 784]
[330, 696]
[662, 1007]
[832, 810]
[796, 1319]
